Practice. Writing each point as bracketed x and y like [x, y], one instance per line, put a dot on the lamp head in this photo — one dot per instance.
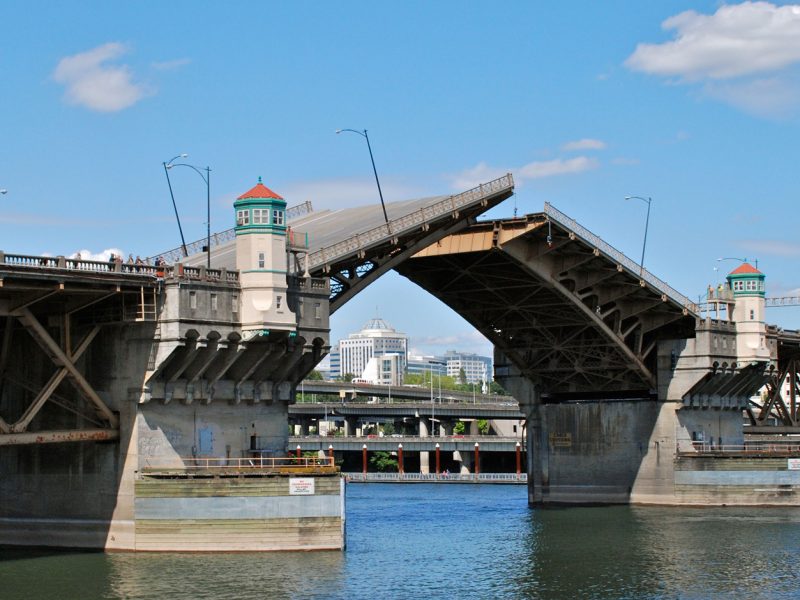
[3, 191]
[338, 131]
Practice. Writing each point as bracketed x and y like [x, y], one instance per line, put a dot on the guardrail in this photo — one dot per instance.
[385, 394]
[178, 270]
[635, 268]
[176, 254]
[365, 239]
[253, 463]
[749, 448]
[441, 477]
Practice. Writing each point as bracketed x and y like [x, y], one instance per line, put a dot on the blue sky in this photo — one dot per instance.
[695, 104]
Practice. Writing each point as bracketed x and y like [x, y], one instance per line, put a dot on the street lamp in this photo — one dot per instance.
[167, 164]
[207, 179]
[648, 200]
[374, 170]
[3, 191]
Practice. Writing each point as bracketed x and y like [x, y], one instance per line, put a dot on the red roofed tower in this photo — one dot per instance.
[261, 260]
[747, 284]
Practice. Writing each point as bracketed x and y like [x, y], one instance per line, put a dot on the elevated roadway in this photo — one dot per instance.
[487, 443]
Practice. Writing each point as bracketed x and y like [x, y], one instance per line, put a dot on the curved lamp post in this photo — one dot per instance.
[647, 200]
[374, 170]
[207, 179]
[3, 191]
[167, 164]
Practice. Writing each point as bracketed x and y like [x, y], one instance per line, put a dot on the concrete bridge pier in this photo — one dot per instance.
[424, 456]
[350, 425]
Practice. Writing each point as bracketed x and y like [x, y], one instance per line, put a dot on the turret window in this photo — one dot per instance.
[752, 315]
[277, 217]
[738, 286]
[242, 217]
[750, 285]
[261, 260]
[261, 216]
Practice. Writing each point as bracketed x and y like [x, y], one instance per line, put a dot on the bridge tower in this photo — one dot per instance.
[261, 260]
[747, 284]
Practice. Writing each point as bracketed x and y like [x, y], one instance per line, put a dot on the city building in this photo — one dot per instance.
[384, 370]
[476, 368]
[377, 338]
[330, 366]
[423, 365]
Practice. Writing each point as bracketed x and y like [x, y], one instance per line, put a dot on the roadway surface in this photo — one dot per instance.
[406, 409]
[324, 228]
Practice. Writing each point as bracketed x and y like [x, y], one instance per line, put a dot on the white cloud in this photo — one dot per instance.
[558, 166]
[743, 39]
[771, 97]
[584, 144]
[103, 255]
[94, 84]
[482, 172]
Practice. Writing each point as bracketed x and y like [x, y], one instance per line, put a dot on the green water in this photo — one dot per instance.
[459, 541]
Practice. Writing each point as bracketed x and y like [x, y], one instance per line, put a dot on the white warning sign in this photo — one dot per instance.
[301, 486]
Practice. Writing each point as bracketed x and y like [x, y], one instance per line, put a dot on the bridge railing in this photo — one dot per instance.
[277, 464]
[441, 477]
[749, 448]
[97, 266]
[176, 254]
[635, 268]
[407, 222]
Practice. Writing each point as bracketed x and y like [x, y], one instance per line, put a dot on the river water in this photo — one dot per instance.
[459, 541]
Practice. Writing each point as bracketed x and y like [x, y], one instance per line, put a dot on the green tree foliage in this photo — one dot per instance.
[388, 428]
[383, 461]
[314, 376]
[462, 377]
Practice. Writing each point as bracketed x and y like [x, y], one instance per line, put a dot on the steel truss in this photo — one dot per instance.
[560, 311]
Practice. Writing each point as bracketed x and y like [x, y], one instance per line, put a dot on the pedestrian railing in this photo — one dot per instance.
[176, 254]
[777, 448]
[247, 464]
[636, 269]
[395, 227]
[440, 477]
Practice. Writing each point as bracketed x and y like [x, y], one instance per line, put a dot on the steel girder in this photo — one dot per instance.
[352, 274]
[564, 314]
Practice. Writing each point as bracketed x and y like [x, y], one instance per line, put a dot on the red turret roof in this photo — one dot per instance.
[745, 269]
[259, 191]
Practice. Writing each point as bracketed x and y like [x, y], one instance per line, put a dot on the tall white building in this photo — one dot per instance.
[477, 369]
[377, 338]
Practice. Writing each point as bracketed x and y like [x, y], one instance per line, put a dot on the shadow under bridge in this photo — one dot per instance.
[563, 308]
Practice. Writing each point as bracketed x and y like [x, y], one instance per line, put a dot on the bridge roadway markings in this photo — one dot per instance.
[487, 443]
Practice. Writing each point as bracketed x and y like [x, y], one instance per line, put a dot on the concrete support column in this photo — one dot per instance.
[350, 426]
[424, 457]
[304, 427]
[473, 427]
[447, 427]
[466, 461]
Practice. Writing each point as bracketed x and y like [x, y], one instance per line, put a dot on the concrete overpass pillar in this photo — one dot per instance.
[304, 427]
[447, 427]
[466, 461]
[473, 427]
[350, 426]
[424, 457]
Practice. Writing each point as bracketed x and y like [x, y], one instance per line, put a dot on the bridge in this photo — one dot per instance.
[618, 375]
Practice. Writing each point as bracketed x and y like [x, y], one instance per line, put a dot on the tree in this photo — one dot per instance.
[497, 389]
[314, 376]
[462, 376]
[383, 461]
[388, 428]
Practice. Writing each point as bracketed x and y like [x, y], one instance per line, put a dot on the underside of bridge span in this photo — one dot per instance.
[559, 310]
